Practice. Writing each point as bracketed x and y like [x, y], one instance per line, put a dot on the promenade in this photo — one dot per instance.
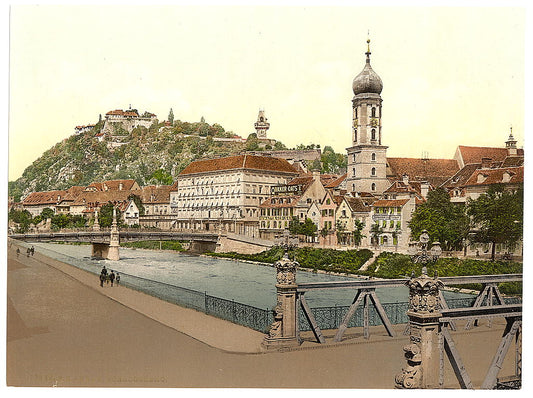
[64, 329]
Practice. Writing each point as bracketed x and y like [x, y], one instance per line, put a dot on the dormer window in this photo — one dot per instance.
[506, 176]
[481, 178]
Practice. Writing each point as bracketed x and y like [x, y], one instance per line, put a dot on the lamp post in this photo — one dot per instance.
[421, 253]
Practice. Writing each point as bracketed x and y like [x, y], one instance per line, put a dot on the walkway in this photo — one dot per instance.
[64, 329]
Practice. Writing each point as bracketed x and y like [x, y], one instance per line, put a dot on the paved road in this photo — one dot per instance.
[62, 331]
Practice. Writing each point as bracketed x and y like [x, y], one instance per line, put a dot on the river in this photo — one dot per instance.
[245, 283]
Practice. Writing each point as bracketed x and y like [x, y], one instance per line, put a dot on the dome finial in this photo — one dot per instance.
[368, 47]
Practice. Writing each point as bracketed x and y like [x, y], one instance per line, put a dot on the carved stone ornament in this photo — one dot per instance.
[275, 328]
[424, 294]
[286, 272]
[411, 376]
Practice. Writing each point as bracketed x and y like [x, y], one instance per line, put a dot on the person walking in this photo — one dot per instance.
[18, 251]
[32, 251]
[112, 277]
[117, 278]
[28, 252]
[103, 276]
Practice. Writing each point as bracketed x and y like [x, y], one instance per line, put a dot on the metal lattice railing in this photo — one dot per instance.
[253, 317]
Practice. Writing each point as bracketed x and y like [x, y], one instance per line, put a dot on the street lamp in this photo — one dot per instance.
[421, 253]
[286, 241]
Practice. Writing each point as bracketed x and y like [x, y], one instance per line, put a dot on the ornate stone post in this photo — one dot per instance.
[96, 225]
[283, 332]
[114, 243]
[422, 352]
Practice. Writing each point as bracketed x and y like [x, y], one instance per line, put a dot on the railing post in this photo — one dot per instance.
[422, 353]
[283, 332]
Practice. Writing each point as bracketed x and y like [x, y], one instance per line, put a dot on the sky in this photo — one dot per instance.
[451, 76]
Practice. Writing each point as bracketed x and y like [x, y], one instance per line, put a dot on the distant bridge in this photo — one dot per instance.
[103, 239]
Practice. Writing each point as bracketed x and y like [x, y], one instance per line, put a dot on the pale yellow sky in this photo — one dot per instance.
[451, 76]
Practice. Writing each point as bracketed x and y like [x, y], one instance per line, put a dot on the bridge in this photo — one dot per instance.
[104, 238]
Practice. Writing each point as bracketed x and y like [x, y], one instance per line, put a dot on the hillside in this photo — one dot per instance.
[148, 155]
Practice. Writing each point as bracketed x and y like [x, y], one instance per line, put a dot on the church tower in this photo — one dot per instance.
[261, 126]
[367, 157]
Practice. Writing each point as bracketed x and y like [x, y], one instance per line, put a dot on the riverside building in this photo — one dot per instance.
[224, 195]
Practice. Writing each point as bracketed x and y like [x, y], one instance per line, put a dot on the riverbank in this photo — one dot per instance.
[64, 332]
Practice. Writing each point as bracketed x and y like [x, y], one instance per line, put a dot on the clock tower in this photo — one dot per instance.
[367, 157]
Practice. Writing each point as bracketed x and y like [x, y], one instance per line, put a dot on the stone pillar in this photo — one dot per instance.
[96, 225]
[283, 331]
[114, 241]
[422, 352]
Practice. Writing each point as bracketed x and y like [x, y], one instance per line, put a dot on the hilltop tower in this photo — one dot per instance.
[261, 126]
[367, 157]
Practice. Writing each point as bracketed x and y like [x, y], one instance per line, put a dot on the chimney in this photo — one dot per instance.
[424, 189]
[405, 179]
[485, 163]
[120, 186]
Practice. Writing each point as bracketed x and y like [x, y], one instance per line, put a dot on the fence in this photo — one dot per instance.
[249, 316]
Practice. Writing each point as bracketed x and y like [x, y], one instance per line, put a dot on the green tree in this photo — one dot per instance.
[105, 215]
[333, 162]
[497, 216]
[358, 232]
[376, 231]
[171, 117]
[47, 213]
[22, 218]
[445, 222]
[309, 228]
[60, 221]
[162, 177]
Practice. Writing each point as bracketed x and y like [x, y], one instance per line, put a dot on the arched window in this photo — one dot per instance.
[373, 171]
[373, 134]
[353, 187]
[374, 157]
[373, 112]
[355, 135]
[373, 186]
[354, 171]
[355, 112]
[354, 157]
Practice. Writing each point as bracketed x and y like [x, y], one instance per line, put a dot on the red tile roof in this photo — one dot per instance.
[43, 198]
[113, 185]
[335, 183]
[390, 202]
[249, 162]
[495, 176]
[461, 177]
[434, 171]
[358, 204]
[120, 112]
[474, 154]
[280, 201]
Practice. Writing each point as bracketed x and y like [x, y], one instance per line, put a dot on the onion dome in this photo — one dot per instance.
[367, 81]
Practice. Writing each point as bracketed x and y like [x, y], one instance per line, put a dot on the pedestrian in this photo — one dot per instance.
[18, 251]
[117, 278]
[28, 252]
[104, 271]
[102, 277]
[32, 251]
[112, 277]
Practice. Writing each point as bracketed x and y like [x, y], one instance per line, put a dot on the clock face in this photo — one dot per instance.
[374, 122]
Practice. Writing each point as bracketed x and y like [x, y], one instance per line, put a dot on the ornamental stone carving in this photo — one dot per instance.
[275, 328]
[286, 272]
[424, 294]
[411, 376]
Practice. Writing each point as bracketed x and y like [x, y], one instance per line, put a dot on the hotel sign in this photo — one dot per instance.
[286, 189]
[377, 217]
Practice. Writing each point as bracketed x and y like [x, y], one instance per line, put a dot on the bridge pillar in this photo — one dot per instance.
[283, 332]
[422, 352]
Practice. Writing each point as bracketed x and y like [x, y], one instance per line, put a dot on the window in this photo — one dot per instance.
[373, 171]
[373, 157]
[373, 111]
[355, 137]
[373, 134]
[354, 157]
[373, 186]
[354, 171]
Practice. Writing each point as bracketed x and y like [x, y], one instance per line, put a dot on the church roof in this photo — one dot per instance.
[474, 154]
[434, 171]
